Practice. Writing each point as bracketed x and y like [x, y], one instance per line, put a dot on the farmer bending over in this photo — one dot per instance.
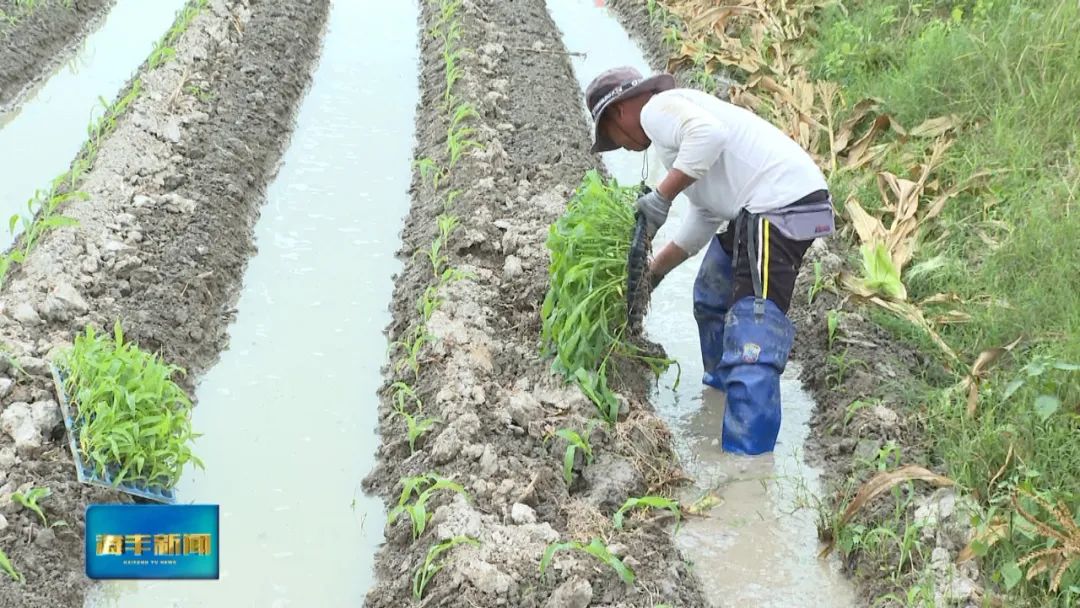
[736, 169]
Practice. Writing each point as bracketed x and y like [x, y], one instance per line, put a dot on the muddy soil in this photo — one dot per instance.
[482, 375]
[863, 362]
[40, 39]
[161, 245]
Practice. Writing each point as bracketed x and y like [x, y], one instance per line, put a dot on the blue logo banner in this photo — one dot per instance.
[152, 541]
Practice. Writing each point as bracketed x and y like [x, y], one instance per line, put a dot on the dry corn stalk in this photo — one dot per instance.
[776, 84]
[881, 483]
[979, 370]
[1061, 556]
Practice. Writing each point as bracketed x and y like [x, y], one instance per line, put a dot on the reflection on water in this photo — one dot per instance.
[289, 412]
[759, 546]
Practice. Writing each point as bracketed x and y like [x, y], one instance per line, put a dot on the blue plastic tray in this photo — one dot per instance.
[86, 474]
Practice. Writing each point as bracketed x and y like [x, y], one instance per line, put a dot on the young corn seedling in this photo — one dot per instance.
[597, 549]
[435, 256]
[417, 510]
[672, 36]
[575, 442]
[454, 72]
[833, 323]
[450, 198]
[412, 344]
[30, 501]
[9, 568]
[447, 11]
[453, 275]
[427, 571]
[199, 93]
[133, 422]
[429, 302]
[415, 426]
[457, 143]
[452, 34]
[461, 113]
[43, 217]
[648, 502]
[7, 261]
[430, 171]
[594, 386]
[402, 392]
[447, 224]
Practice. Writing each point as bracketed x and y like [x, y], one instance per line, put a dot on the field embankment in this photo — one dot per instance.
[466, 329]
[35, 37]
[165, 196]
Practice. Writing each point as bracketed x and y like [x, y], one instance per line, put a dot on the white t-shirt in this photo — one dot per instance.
[740, 160]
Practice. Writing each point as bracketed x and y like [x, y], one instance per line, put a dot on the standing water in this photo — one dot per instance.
[759, 546]
[289, 413]
[39, 139]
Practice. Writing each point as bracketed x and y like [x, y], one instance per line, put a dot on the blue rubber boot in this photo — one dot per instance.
[757, 341]
[712, 298]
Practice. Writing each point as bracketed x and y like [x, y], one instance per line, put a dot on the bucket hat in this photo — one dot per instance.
[616, 84]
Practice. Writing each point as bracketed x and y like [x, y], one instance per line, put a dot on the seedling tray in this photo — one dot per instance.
[85, 473]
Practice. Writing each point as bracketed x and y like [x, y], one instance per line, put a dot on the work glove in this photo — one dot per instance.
[655, 209]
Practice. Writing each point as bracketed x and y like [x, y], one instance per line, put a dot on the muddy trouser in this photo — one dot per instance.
[741, 304]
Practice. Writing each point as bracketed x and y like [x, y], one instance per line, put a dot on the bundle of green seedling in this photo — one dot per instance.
[584, 313]
[132, 421]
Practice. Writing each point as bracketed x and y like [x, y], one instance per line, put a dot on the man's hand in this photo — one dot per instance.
[655, 209]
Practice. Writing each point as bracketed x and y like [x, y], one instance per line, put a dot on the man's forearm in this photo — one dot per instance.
[669, 257]
[673, 183]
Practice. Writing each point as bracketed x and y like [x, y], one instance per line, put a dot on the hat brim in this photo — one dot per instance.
[658, 82]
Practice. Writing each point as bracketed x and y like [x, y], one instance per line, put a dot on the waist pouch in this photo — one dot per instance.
[804, 221]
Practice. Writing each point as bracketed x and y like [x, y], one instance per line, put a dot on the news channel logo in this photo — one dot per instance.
[152, 541]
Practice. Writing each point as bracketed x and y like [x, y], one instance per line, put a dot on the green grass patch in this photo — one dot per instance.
[1007, 69]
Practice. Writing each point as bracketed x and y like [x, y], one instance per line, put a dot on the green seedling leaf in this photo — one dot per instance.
[651, 502]
[574, 443]
[427, 571]
[9, 568]
[30, 500]
[597, 549]
[424, 486]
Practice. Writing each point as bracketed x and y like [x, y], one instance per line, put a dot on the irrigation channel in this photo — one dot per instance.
[287, 412]
[39, 138]
[759, 546]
